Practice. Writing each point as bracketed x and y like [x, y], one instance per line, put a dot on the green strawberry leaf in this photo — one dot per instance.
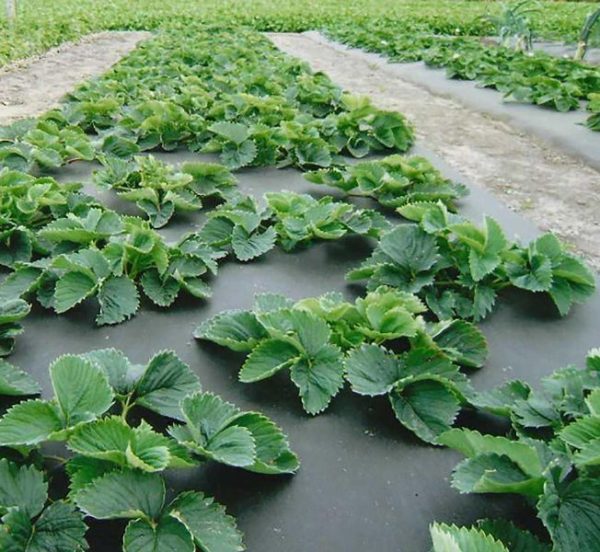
[212, 529]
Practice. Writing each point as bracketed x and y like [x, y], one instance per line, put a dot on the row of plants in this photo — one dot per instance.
[251, 104]
[410, 337]
[41, 25]
[528, 77]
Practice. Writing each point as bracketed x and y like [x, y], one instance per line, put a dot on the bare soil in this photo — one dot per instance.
[30, 87]
[556, 191]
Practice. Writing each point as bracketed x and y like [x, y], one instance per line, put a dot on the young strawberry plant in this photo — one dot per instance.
[290, 220]
[459, 268]
[324, 340]
[28, 203]
[44, 144]
[393, 181]
[106, 256]
[549, 456]
[157, 188]
[300, 219]
[114, 467]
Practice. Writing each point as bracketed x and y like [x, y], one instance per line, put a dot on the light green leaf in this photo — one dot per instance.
[22, 487]
[313, 332]
[582, 431]
[233, 446]
[494, 473]
[248, 246]
[161, 292]
[166, 381]
[82, 470]
[16, 383]
[123, 494]
[168, 535]
[372, 370]
[29, 423]
[206, 415]
[82, 390]
[450, 538]
[237, 330]
[234, 132]
[268, 358]
[426, 407]
[273, 454]
[462, 341]
[118, 299]
[410, 247]
[319, 379]
[213, 530]
[71, 289]
[148, 450]
[121, 374]
[472, 443]
[105, 439]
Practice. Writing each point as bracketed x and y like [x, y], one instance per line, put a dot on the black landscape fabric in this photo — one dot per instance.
[365, 483]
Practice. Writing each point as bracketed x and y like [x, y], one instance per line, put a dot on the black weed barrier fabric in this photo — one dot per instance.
[365, 483]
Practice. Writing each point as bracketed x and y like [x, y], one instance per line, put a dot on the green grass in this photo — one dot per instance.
[42, 24]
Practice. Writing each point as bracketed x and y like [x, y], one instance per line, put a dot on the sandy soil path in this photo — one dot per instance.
[556, 191]
[32, 86]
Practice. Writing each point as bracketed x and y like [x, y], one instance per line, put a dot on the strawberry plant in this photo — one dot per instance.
[26, 204]
[550, 454]
[300, 219]
[392, 181]
[156, 187]
[459, 268]
[115, 468]
[106, 256]
[290, 220]
[323, 341]
[45, 144]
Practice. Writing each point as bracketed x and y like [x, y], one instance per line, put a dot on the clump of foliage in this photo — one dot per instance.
[550, 454]
[248, 230]
[459, 268]
[530, 77]
[28, 203]
[106, 256]
[231, 93]
[115, 467]
[159, 189]
[393, 181]
[324, 340]
[44, 144]
[300, 219]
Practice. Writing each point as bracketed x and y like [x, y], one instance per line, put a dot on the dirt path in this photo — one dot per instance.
[31, 87]
[556, 191]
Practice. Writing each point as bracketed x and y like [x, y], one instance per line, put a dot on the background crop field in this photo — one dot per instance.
[42, 24]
